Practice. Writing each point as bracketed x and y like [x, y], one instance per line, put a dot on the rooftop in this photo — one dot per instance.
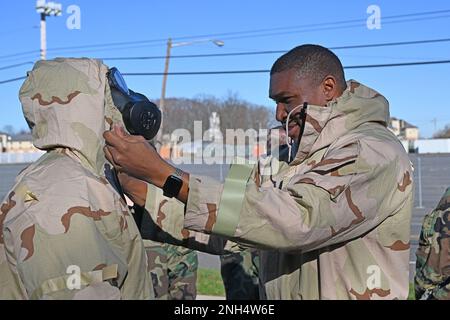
[22, 137]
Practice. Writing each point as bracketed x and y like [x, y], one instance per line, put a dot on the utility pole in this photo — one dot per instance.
[435, 124]
[163, 94]
[170, 45]
[46, 10]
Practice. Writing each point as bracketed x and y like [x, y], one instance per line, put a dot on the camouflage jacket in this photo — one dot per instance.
[65, 232]
[173, 270]
[332, 224]
[240, 274]
[432, 279]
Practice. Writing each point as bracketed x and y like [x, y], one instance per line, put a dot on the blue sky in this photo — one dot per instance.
[417, 94]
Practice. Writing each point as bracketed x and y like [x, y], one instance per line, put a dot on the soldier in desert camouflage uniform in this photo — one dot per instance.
[173, 268]
[432, 279]
[239, 272]
[173, 271]
[62, 213]
[333, 223]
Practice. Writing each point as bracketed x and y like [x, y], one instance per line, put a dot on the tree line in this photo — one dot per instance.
[234, 113]
[443, 134]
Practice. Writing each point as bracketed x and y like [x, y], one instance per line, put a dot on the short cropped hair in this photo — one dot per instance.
[313, 63]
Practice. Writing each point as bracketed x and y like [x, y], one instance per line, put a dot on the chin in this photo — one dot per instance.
[295, 135]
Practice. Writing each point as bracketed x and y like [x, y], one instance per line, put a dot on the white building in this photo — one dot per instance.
[4, 138]
[21, 143]
[433, 146]
[404, 130]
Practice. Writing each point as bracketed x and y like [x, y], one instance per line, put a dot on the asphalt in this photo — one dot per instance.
[432, 177]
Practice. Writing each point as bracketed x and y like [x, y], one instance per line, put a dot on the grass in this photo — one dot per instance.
[209, 283]
[411, 295]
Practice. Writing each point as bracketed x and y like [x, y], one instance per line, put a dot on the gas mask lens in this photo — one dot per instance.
[140, 115]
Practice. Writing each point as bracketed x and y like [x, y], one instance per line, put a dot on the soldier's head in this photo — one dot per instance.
[307, 73]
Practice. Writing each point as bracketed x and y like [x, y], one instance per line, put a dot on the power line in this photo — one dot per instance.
[322, 28]
[262, 52]
[12, 80]
[13, 55]
[254, 31]
[404, 64]
[385, 65]
[15, 65]
[373, 45]
[266, 70]
[262, 35]
[245, 34]
[389, 44]
[268, 34]
[192, 73]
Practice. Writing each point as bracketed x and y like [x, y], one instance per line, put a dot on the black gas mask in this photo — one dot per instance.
[140, 115]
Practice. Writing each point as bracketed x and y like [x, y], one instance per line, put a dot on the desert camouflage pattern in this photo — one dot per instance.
[432, 279]
[167, 225]
[62, 211]
[240, 274]
[173, 268]
[332, 224]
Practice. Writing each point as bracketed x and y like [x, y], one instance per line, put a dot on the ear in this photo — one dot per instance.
[330, 88]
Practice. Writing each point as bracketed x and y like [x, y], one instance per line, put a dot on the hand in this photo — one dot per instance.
[134, 188]
[135, 156]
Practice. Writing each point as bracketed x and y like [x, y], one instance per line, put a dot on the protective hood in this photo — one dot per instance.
[357, 105]
[67, 103]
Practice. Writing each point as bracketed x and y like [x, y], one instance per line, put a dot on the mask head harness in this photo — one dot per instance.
[140, 115]
[300, 119]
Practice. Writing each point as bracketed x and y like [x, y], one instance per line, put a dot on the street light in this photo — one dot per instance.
[46, 10]
[171, 45]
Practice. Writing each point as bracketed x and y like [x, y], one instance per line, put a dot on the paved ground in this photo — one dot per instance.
[432, 178]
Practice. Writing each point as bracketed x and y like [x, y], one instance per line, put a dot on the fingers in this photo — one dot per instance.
[118, 137]
[120, 131]
[111, 138]
[124, 178]
[109, 156]
[114, 140]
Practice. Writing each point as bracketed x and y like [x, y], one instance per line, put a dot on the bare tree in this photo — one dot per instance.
[9, 129]
[443, 134]
[235, 113]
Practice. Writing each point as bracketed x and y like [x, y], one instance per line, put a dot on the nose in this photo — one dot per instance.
[281, 113]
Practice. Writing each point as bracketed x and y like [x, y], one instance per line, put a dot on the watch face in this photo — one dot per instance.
[172, 186]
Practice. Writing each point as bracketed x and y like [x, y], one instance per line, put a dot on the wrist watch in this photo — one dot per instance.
[173, 184]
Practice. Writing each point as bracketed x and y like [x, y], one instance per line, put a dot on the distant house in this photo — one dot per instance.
[20, 143]
[404, 130]
[4, 138]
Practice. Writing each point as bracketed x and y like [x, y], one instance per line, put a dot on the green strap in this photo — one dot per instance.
[86, 278]
[232, 199]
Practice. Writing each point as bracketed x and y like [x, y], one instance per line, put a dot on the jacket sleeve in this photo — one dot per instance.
[344, 194]
[432, 279]
[168, 215]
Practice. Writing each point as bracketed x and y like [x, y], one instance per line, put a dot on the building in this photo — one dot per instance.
[20, 143]
[404, 130]
[4, 138]
[407, 133]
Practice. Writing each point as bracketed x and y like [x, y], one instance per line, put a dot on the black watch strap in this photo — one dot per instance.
[173, 184]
